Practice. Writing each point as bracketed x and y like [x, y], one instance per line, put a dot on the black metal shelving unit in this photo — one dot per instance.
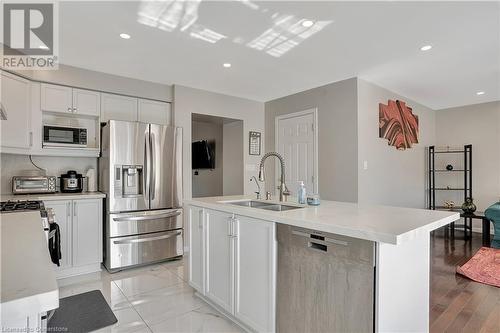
[466, 186]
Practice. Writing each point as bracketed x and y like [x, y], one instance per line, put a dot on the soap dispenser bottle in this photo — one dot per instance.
[301, 193]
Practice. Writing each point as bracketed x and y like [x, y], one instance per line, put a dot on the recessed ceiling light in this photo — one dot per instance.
[480, 93]
[226, 65]
[125, 36]
[307, 23]
[426, 48]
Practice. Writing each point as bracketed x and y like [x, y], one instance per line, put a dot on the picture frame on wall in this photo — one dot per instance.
[254, 143]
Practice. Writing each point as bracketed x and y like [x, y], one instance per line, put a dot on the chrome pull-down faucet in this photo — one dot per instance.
[283, 189]
[258, 186]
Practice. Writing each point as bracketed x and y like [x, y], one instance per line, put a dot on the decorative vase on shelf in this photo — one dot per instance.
[449, 167]
[468, 206]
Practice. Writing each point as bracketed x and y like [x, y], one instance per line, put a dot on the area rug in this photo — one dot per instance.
[483, 267]
[82, 313]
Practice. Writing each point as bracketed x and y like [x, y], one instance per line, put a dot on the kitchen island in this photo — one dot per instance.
[28, 282]
[234, 259]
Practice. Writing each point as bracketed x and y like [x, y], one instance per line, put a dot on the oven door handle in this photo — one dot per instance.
[147, 217]
[149, 239]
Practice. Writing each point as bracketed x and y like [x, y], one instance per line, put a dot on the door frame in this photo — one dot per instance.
[314, 112]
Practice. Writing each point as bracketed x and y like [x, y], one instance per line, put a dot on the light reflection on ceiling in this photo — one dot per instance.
[169, 15]
[286, 33]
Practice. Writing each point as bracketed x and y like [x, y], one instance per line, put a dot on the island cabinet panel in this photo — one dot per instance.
[255, 273]
[232, 263]
[220, 260]
[196, 226]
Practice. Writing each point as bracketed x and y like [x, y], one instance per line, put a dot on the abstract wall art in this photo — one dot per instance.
[398, 124]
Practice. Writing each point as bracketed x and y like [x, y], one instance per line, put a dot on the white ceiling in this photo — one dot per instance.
[379, 42]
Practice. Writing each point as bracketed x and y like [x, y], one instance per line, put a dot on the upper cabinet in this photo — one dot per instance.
[15, 108]
[118, 107]
[154, 112]
[55, 98]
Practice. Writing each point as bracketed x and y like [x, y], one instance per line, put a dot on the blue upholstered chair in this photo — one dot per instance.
[493, 214]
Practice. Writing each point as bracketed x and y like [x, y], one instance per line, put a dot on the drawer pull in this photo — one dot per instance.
[149, 239]
[144, 218]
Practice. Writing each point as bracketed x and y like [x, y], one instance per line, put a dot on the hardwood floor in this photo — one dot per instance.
[457, 303]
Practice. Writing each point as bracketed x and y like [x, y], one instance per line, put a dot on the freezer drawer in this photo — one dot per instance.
[143, 249]
[127, 224]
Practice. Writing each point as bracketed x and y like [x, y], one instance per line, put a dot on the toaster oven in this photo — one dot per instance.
[33, 184]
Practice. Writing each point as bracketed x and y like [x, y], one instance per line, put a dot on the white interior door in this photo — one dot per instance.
[297, 142]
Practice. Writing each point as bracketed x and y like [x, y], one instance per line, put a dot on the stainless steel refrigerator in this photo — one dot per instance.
[140, 172]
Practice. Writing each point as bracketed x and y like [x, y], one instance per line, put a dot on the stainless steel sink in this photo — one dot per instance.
[264, 205]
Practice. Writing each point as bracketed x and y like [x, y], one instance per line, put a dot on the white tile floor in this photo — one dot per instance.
[154, 298]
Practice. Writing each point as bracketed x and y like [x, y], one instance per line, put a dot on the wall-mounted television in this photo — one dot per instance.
[203, 154]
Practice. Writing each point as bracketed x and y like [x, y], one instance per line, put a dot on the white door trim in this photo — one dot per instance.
[314, 112]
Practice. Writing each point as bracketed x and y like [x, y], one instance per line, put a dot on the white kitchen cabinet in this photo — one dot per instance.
[15, 105]
[86, 102]
[154, 112]
[55, 98]
[80, 224]
[63, 217]
[239, 272]
[62, 99]
[87, 232]
[197, 252]
[118, 107]
[255, 273]
[219, 259]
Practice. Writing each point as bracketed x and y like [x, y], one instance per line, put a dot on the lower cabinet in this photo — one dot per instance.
[232, 262]
[80, 224]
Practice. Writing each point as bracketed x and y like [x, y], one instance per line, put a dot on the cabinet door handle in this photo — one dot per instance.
[68, 208]
[235, 229]
[74, 208]
[31, 139]
[230, 227]
[200, 219]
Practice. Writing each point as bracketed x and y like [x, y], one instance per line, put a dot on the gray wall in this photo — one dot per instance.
[208, 182]
[337, 136]
[232, 158]
[478, 125]
[394, 177]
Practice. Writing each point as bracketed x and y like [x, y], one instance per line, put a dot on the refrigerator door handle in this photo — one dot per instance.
[147, 157]
[152, 145]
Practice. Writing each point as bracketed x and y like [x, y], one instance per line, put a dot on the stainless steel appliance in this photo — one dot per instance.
[33, 184]
[325, 282]
[71, 182]
[140, 171]
[64, 136]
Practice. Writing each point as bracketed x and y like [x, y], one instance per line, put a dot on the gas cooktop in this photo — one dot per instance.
[21, 205]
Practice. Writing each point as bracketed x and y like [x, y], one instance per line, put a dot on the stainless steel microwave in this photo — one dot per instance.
[59, 136]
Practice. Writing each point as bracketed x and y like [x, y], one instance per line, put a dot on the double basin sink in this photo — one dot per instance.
[264, 205]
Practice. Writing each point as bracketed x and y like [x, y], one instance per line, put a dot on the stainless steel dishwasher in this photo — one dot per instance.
[325, 282]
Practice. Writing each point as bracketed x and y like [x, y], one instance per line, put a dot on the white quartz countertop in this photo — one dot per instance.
[28, 281]
[385, 224]
[53, 196]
